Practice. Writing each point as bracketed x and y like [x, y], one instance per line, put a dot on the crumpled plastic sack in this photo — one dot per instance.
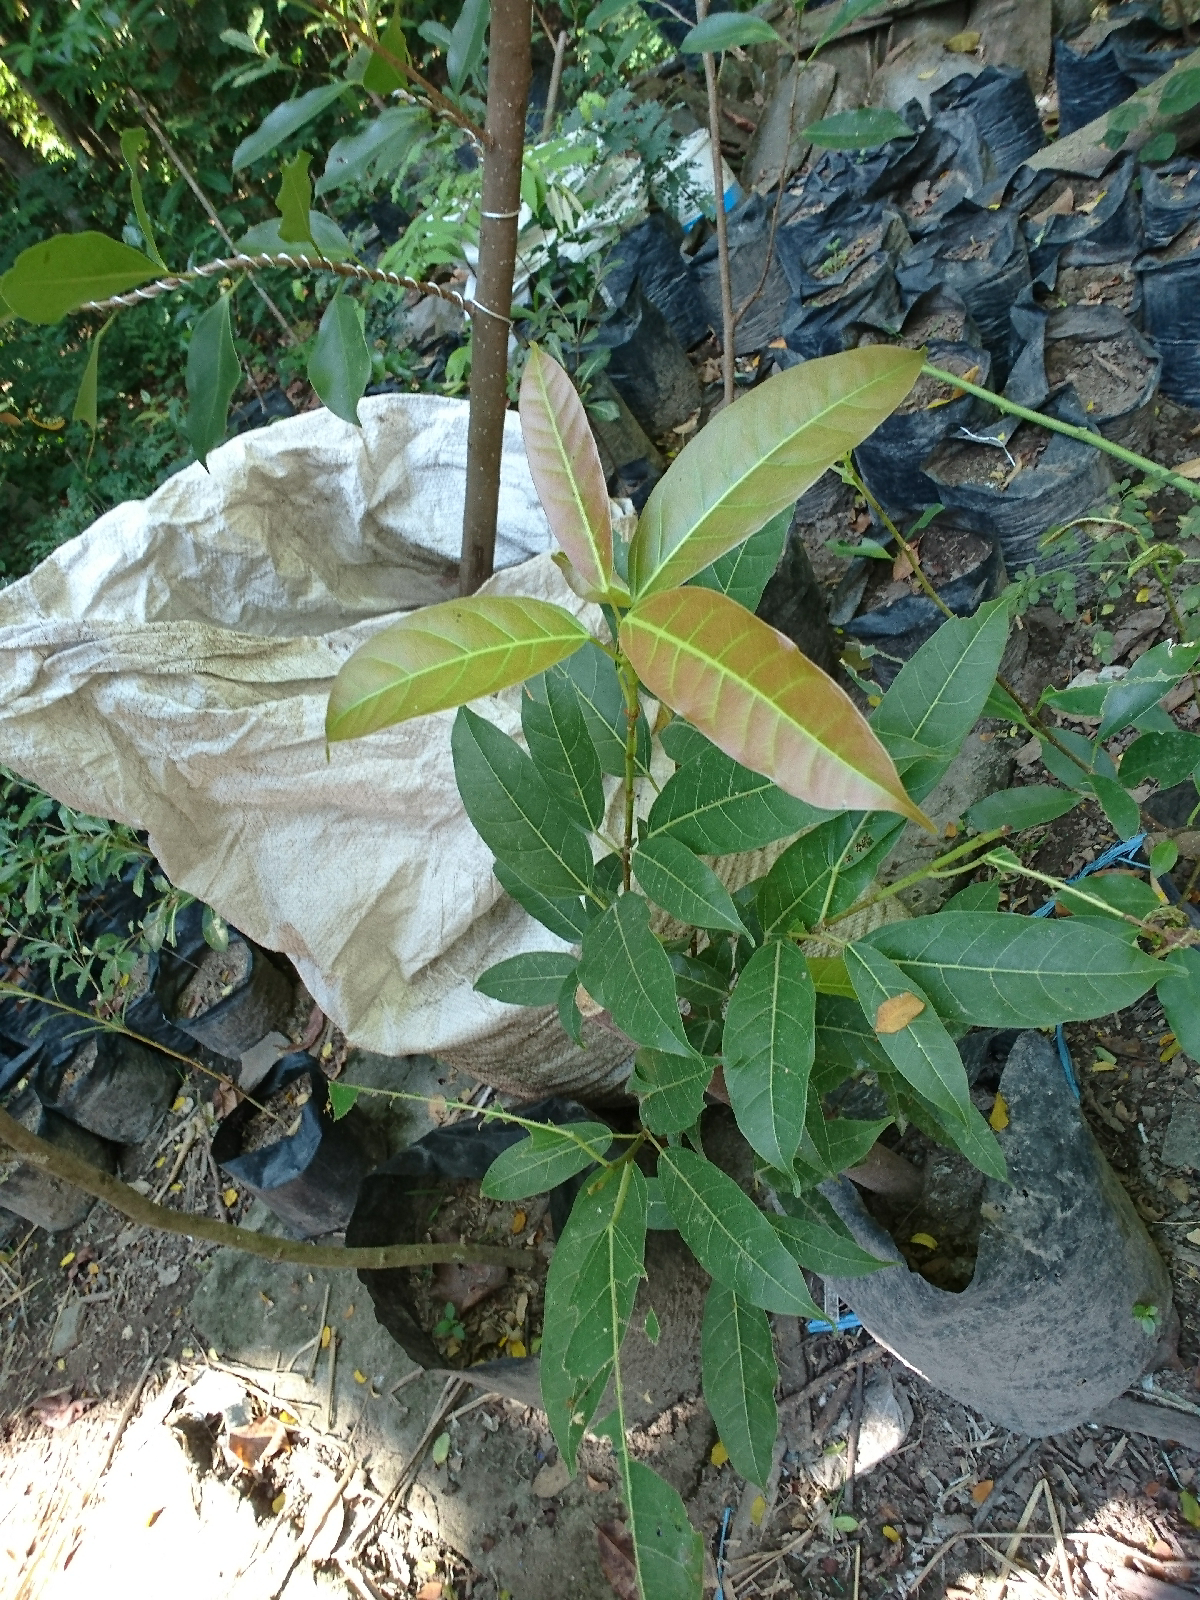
[170, 668]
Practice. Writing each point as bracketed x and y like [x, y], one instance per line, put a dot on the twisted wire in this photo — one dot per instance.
[344, 269]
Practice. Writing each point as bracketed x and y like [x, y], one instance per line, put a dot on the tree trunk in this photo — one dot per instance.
[509, 70]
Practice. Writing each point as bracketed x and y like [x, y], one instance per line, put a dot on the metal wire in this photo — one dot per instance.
[344, 269]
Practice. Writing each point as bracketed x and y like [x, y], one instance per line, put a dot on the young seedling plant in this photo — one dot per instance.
[667, 733]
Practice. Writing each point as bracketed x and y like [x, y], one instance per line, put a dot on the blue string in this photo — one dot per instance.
[844, 1324]
[720, 1594]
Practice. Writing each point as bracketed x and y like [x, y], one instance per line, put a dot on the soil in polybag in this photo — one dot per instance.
[430, 1193]
[1114, 284]
[647, 365]
[981, 257]
[227, 999]
[883, 605]
[1093, 75]
[1001, 104]
[959, 167]
[110, 1085]
[1170, 280]
[650, 254]
[759, 283]
[1112, 368]
[839, 263]
[1018, 491]
[1084, 221]
[39, 1196]
[286, 1148]
[1170, 200]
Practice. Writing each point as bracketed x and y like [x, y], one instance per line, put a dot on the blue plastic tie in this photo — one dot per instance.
[720, 1594]
[846, 1323]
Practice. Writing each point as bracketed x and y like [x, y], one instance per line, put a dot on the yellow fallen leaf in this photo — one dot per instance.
[1189, 1507]
[326, 1335]
[93, 1269]
[924, 77]
[981, 1490]
[998, 1120]
[61, 1364]
[962, 44]
[890, 1533]
[1189, 469]
[187, 1353]
[1171, 1051]
[719, 1455]
[926, 1239]
[518, 1221]
[758, 1510]
[178, 1103]
[279, 1502]
[176, 1188]
[1090, 205]
[1104, 1066]
[896, 1013]
[230, 1197]
[161, 1162]
[1144, 594]
[516, 1348]
[67, 1259]
[359, 1377]
[288, 1420]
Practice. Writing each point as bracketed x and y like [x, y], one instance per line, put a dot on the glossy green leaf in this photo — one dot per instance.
[729, 1235]
[339, 368]
[213, 373]
[569, 1013]
[66, 272]
[996, 970]
[824, 872]
[740, 1373]
[704, 986]
[265, 239]
[467, 37]
[1120, 890]
[832, 1144]
[1086, 700]
[1163, 857]
[864, 129]
[846, 1041]
[820, 1248]
[86, 400]
[564, 916]
[768, 1043]
[657, 1215]
[849, 11]
[1181, 91]
[372, 153]
[757, 457]
[1117, 804]
[749, 689]
[285, 120]
[744, 572]
[1019, 809]
[1168, 757]
[513, 811]
[718, 807]
[563, 752]
[922, 1052]
[624, 968]
[593, 677]
[342, 1097]
[533, 979]
[728, 30]
[294, 201]
[607, 1282]
[683, 885]
[976, 897]
[972, 1138]
[1161, 147]
[670, 1089]
[1179, 996]
[381, 77]
[1069, 772]
[133, 142]
[543, 1160]
[566, 470]
[939, 695]
[668, 1550]
[1144, 685]
[443, 655]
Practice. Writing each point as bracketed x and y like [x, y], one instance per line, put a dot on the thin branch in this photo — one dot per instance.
[723, 269]
[556, 72]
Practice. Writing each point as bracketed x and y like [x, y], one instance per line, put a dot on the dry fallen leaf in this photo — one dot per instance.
[981, 1490]
[1188, 469]
[433, 1590]
[615, 1548]
[59, 1409]
[719, 1455]
[758, 1510]
[596, 1485]
[998, 1120]
[896, 1013]
[326, 1335]
[257, 1442]
[890, 1533]
[925, 1239]
[518, 1222]
[962, 44]
[230, 1197]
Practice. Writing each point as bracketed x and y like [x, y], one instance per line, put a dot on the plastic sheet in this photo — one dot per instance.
[1170, 200]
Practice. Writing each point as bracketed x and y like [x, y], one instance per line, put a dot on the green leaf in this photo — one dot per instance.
[1117, 804]
[212, 375]
[381, 77]
[376, 150]
[1085, 701]
[1163, 858]
[133, 142]
[922, 1052]
[976, 897]
[757, 457]
[940, 694]
[563, 752]
[831, 1144]
[443, 655]
[1092, 754]
[1169, 757]
[1151, 676]
[751, 691]
[1019, 809]
[284, 121]
[294, 201]
[820, 1248]
[865, 129]
[730, 1237]
[1117, 889]
[728, 30]
[1001, 705]
[768, 1044]
[704, 986]
[86, 400]
[824, 872]
[66, 272]
[533, 979]
[669, 1551]
[341, 1098]
[607, 1282]
[740, 1374]
[1181, 91]
[973, 1138]
[593, 677]
[339, 368]
[683, 885]
[744, 572]
[846, 1042]
[1159, 148]
[548, 1157]
[467, 37]
[849, 11]
[657, 1215]
[670, 1089]
[1179, 996]
[624, 968]
[514, 813]
[265, 239]
[996, 970]
[569, 1013]
[566, 917]
[717, 807]
[652, 1326]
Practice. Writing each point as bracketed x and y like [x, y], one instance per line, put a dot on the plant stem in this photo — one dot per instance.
[933, 870]
[556, 72]
[728, 330]
[508, 89]
[1082, 435]
[58, 1161]
[1003, 864]
[850, 471]
[633, 710]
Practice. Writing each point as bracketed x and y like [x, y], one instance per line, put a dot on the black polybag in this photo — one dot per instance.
[649, 255]
[122, 1094]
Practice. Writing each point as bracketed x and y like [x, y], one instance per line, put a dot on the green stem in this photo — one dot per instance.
[1082, 435]
[850, 471]
[933, 870]
[1013, 865]
[633, 711]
